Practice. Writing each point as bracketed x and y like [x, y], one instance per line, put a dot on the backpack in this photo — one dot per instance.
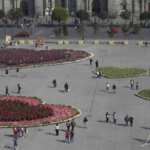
[68, 124]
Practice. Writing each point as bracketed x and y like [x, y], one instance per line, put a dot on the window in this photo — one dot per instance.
[124, 7]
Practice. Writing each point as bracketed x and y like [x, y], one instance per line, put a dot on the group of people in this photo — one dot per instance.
[19, 132]
[19, 89]
[132, 84]
[66, 87]
[113, 116]
[7, 71]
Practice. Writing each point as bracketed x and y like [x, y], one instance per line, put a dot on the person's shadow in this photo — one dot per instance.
[50, 133]
[60, 141]
[6, 146]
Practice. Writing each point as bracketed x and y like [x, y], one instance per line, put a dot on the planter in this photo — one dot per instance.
[140, 43]
[60, 42]
[111, 42]
[30, 42]
[80, 41]
[126, 42]
[66, 42]
[96, 42]
[21, 42]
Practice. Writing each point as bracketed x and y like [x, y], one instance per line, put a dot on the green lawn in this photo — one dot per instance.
[144, 93]
[115, 72]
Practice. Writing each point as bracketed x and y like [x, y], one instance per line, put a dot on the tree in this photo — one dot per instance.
[96, 28]
[15, 14]
[5, 30]
[125, 29]
[83, 15]
[60, 14]
[65, 29]
[136, 29]
[80, 30]
[143, 15]
[111, 30]
[111, 25]
[57, 31]
[2, 13]
[103, 16]
[126, 15]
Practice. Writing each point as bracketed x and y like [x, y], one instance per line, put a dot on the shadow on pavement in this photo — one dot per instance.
[61, 91]
[145, 128]
[63, 130]
[13, 76]
[9, 147]
[126, 86]
[102, 121]
[106, 92]
[140, 140]
[122, 125]
[9, 135]
[60, 141]
[79, 127]
[14, 92]
[50, 86]
[94, 77]
[2, 76]
[49, 133]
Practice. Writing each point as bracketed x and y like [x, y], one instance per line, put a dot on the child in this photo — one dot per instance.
[67, 136]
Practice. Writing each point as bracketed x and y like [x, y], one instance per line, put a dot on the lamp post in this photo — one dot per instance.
[132, 11]
[12, 28]
[83, 26]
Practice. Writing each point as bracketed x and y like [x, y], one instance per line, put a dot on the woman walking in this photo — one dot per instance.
[137, 85]
[25, 131]
[107, 87]
[66, 87]
[16, 143]
[85, 121]
[72, 137]
[107, 117]
[68, 125]
[54, 82]
[115, 118]
[57, 129]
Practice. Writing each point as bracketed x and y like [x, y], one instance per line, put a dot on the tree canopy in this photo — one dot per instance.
[103, 15]
[2, 13]
[126, 15]
[83, 15]
[136, 29]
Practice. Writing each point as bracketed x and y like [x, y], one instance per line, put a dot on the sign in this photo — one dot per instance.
[8, 39]
[96, 42]
[21, 42]
[60, 42]
[111, 42]
[66, 42]
[126, 42]
[30, 42]
[81, 42]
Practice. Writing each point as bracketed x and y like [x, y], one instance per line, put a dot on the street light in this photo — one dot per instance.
[132, 11]
[12, 27]
[83, 25]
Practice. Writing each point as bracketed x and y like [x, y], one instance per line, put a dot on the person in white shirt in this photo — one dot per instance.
[57, 129]
[107, 87]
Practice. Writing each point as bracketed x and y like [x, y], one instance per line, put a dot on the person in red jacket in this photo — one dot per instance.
[67, 136]
[15, 130]
[68, 125]
[137, 85]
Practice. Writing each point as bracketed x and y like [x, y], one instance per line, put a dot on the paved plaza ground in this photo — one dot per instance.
[87, 93]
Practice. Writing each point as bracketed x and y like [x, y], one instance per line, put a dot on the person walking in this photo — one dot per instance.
[6, 72]
[85, 121]
[68, 125]
[130, 31]
[137, 85]
[107, 87]
[16, 143]
[25, 131]
[57, 129]
[72, 137]
[66, 87]
[100, 73]
[67, 136]
[54, 82]
[22, 130]
[132, 83]
[15, 131]
[107, 117]
[17, 71]
[7, 91]
[115, 117]
[19, 88]
[73, 124]
[19, 132]
[96, 63]
[91, 61]
[145, 44]
[114, 88]
[131, 120]
[126, 119]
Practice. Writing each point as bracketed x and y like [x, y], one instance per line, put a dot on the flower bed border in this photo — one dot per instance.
[90, 55]
[120, 77]
[141, 96]
[42, 102]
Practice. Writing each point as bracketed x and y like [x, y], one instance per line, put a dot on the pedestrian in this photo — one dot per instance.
[85, 121]
[7, 91]
[15, 131]
[114, 88]
[68, 125]
[91, 60]
[57, 129]
[131, 120]
[67, 136]
[126, 119]
[130, 31]
[97, 74]
[16, 143]
[54, 82]
[66, 87]
[19, 132]
[72, 137]
[132, 83]
[26, 131]
[96, 63]
[107, 87]
[22, 130]
[100, 73]
[145, 44]
[19, 88]
[115, 117]
[17, 70]
[73, 124]
[6, 72]
[107, 117]
[137, 85]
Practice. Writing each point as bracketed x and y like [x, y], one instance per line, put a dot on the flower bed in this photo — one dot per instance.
[145, 93]
[115, 72]
[13, 107]
[13, 58]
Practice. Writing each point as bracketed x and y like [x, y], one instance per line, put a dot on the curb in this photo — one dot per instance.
[140, 96]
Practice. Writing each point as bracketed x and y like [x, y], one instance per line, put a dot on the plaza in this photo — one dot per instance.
[88, 94]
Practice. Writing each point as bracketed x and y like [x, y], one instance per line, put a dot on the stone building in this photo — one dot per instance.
[114, 7]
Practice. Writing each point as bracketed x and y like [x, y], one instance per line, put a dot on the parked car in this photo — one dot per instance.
[21, 34]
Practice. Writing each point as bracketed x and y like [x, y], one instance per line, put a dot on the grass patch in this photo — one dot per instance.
[115, 72]
[144, 93]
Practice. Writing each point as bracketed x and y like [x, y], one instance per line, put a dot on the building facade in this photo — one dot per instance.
[34, 7]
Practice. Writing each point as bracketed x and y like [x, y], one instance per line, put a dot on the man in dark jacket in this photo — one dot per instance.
[73, 124]
[7, 91]
[17, 70]
[19, 88]
[126, 119]
[96, 63]
[85, 121]
[66, 87]
[131, 121]
[91, 61]
[6, 72]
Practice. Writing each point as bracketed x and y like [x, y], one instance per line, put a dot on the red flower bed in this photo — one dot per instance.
[13, 106]
[19, 57]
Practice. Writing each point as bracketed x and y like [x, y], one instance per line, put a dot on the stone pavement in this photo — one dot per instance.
[88, 94]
